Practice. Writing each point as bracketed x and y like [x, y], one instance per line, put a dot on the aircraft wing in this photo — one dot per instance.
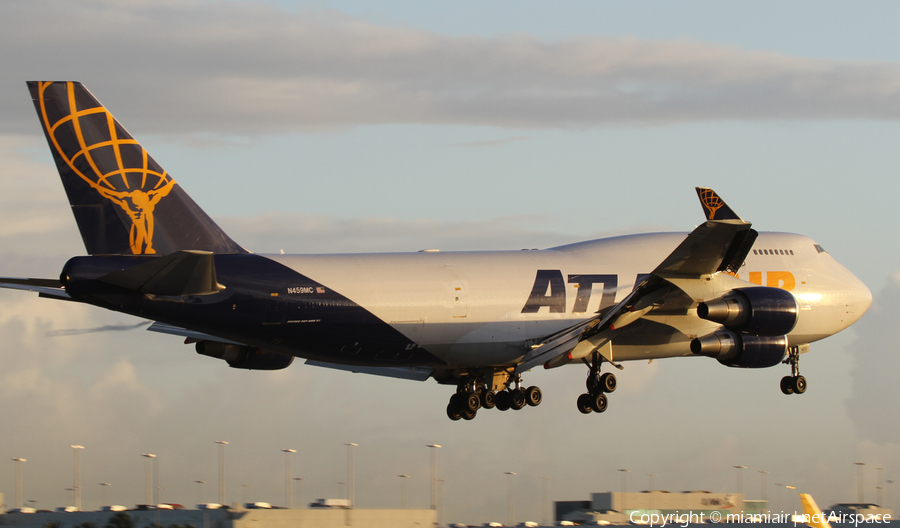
[717, 245]
[409, 373]
[48, 288]
[190, 335]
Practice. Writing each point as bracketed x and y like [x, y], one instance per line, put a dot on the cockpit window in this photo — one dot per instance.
[820, 249]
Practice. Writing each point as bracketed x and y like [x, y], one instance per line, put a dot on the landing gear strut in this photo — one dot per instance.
[795, 383]
[473, 394]
[595, 400]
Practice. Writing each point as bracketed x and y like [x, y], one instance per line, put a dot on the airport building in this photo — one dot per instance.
[623, 508]
[228, 518]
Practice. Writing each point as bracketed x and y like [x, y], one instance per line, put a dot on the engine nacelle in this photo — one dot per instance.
[762, 311]
[244, 357]
[742, 350]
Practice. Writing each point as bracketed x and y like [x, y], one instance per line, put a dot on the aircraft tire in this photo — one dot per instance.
[471, 402]
[533, 396]
[518, 399]
[787, 385]
[599, 403]
[798, 384]
[584, 404]
[503, 400]
[453, 412]
[488, 399]
[469, 415]
[608, 382]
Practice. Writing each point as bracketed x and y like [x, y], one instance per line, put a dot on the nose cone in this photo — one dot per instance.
[859, 298]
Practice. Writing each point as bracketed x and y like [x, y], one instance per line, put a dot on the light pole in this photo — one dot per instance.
[650, 491]
[780, 486]
[510, 488]
[288, 492]
[740, 479]
[299, 491]
[67, 495]
[624, 488]
[222, 444]
[880, 485]
[859, 481]
[200, 484]
[890, 494]
[76, 449]
[545, 501]
[104, 495]
[244, 488]
[350, 488]
[440, 502]
[403, 502]
[762, 487]
[148, 478]
[434, 448]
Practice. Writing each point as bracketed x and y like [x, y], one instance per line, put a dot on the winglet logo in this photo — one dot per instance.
[90, 141]
[711, 202]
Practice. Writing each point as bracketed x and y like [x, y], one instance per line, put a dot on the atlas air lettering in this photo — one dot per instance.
[549, 289]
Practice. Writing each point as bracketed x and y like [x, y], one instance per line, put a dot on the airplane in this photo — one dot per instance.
[474, 320]
[812, 515]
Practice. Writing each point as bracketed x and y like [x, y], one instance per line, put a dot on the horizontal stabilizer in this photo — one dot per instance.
[49, 288]
[181, 273]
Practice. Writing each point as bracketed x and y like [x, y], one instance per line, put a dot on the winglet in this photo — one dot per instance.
[714, 207]
[812, 515]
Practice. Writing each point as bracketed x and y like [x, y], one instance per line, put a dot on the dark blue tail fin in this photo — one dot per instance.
[123, 201]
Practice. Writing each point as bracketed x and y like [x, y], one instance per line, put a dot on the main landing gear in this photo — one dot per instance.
[598, 386]
[795, 383]
[472, 395]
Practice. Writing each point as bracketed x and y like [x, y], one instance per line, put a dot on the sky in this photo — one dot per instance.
[341, 127]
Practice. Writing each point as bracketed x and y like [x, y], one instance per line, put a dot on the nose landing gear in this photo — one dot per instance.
[795, 383]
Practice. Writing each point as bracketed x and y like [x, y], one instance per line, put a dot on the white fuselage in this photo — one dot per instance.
[468, 308]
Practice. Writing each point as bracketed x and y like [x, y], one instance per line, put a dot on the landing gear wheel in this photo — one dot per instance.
[533, 396]
[488, 399]
[798, 384]
[468, 415]
[503, 401]
[787, 385]
[599, 402]
[608, 382]
[453, 412]
[472, 402]
[518, 399]
[584, 404]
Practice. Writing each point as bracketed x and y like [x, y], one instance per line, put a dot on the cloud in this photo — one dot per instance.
[249, 68]
[875, 362]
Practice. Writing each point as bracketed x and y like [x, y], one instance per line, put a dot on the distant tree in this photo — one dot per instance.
[86, 524]
[53, 524]
[120, 520]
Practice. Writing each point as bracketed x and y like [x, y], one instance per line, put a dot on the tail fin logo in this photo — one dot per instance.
[711, 202]
[96, 148]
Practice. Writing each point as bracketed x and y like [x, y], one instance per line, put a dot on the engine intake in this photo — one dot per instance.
[244, 357]
[742, 350]
[762, 311]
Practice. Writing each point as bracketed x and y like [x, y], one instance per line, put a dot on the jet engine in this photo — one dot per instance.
[244, 357]
[761, 311]
[742, 350]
